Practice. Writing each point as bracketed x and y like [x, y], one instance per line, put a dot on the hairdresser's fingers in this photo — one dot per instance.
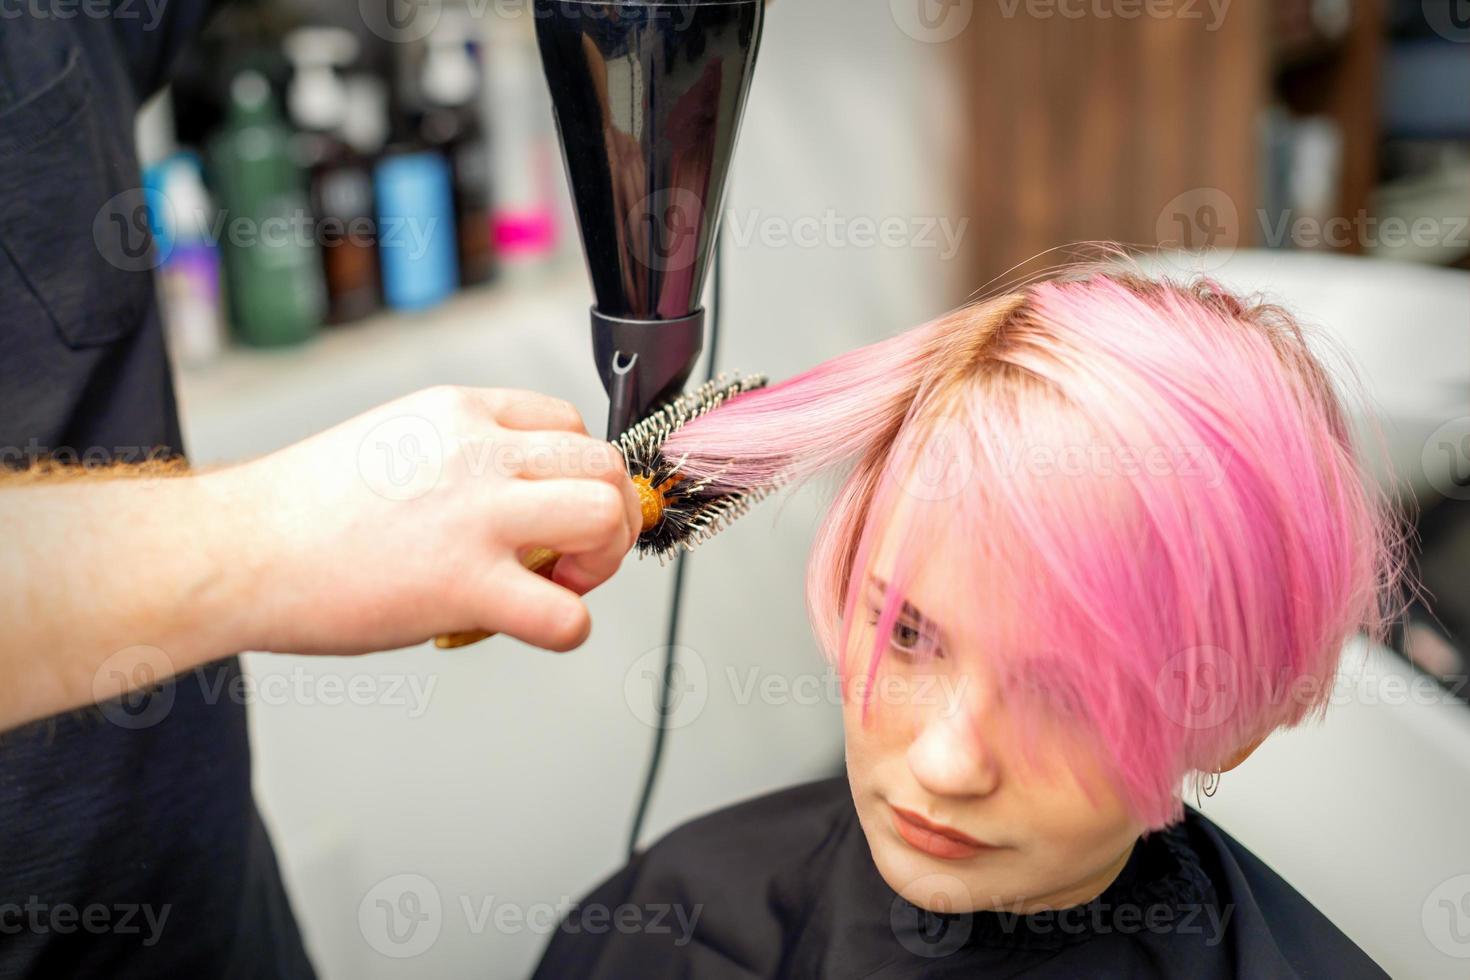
[585, 572]
[574, 517]
[544, 455]
[528, 607]
[519, 408]
[554, 456]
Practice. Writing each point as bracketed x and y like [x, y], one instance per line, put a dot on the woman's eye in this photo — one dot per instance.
[910, 641]
[906, 637]
[1048, 693]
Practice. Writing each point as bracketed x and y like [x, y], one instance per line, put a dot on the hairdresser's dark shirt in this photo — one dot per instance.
[785, 886]
[129, 842]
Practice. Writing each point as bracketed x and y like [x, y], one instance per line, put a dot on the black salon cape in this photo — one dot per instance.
[785, 886]
[130, 845]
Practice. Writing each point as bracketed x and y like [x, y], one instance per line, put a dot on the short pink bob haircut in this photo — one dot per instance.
[1170, 534]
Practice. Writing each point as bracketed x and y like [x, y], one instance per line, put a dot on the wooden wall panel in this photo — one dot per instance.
[1083, 128]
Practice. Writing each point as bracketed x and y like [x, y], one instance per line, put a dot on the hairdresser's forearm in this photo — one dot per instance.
[110, 576]
[403, 522]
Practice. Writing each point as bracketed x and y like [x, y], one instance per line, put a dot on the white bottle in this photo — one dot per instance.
[190, 274]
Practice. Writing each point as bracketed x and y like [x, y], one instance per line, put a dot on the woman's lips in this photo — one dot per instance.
[935, 839]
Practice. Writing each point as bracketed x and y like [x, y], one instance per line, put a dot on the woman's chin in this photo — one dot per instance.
[925, 881]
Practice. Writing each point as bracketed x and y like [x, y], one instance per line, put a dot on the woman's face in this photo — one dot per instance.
[955, 820]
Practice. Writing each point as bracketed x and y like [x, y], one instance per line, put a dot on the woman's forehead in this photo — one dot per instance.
[942, 567]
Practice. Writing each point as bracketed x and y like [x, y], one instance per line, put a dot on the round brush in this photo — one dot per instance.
[677, 512]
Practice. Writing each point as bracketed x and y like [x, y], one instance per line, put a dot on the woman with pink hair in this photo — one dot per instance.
[1101, 537]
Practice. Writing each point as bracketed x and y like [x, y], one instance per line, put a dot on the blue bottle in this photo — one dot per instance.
[416, 236]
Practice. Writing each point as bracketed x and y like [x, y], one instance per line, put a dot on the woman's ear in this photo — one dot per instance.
[1242, 754]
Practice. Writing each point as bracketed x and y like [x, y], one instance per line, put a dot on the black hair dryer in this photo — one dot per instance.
[648, 98]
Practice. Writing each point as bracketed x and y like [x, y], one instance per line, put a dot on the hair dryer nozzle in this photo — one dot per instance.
[648, 98]
[643, 363]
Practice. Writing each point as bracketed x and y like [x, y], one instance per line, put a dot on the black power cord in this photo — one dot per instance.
[666, 685]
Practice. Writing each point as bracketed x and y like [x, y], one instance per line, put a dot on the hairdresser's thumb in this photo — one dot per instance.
[583, 573]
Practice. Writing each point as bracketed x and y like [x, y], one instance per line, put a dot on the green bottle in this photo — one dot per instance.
[267, 236]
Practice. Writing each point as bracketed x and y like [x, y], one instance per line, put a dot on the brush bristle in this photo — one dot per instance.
[692, 511]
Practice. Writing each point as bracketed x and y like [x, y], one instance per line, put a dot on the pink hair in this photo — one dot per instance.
[1178, 607]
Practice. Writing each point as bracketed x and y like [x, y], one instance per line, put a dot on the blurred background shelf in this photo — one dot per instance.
[1286, 124]
[466, 340]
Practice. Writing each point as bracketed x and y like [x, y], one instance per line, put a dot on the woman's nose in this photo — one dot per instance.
[949, 757]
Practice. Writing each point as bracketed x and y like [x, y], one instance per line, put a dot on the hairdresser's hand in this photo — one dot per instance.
[408, 521]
